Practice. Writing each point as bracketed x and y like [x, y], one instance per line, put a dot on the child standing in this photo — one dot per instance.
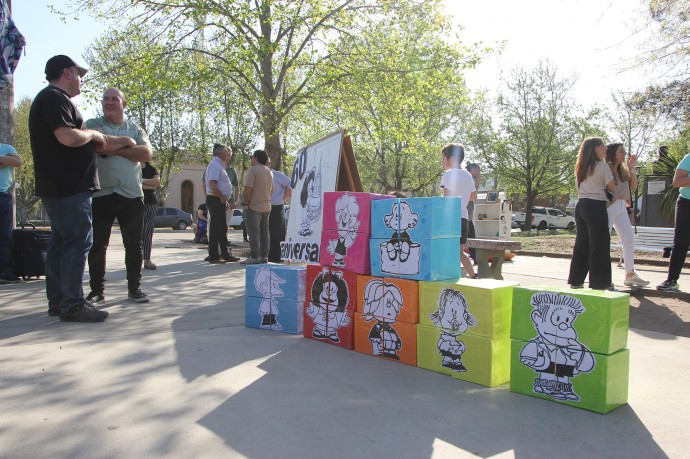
[459, 182]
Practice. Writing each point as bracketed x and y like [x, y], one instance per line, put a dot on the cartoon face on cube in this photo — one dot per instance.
[347, 224]
[330, 296]
[400, 255]
[382, 302]
[267, 283]
[452, 314]
[555, 354]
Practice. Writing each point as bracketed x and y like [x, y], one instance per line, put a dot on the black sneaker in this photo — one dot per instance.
[94, 298]
[216, 261]
[137, 296]
[668, 286]
[53, 311]
[9, 278]
[84, 313]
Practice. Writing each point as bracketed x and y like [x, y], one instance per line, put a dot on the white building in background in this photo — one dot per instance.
[186, 188]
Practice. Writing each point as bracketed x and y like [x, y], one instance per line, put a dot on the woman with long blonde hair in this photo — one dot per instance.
[591, 251]
[624, 178]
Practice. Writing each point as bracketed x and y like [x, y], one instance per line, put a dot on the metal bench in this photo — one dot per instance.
[495, 248]
[652, 239]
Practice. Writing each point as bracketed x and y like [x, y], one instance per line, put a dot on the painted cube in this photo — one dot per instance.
[479, 307]
[330, 305]
[571, 374]
[345, 250]
[394, 341]
[597, 319]
[416, 218]
[269, 280]
[349, 211]
[423, 259]
[468, 357]
[275, 315]
[388, 299]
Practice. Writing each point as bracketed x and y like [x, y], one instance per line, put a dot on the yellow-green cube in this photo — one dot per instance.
[479, 307]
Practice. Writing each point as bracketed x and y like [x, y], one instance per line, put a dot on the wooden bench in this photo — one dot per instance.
[495, 248]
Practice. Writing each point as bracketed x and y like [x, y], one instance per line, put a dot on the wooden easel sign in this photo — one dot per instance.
[325, 165]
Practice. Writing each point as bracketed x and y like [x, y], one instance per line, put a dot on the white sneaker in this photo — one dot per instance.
[635, 281]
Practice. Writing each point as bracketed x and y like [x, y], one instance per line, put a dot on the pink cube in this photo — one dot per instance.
[350, 252]
[349, 211]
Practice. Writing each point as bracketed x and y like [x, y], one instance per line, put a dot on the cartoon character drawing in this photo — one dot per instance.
[556, 354]
[310, 199]
[330, 296]
[453, 314]
[451, 349]
[268, 283]
[400, 247]
[453, 311]
[346, 212]
[383, 301]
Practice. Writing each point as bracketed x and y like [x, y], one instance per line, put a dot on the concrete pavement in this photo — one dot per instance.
[182, 377]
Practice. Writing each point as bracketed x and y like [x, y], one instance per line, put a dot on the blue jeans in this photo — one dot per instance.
[70, 241]
[5, 231]
[257, 229]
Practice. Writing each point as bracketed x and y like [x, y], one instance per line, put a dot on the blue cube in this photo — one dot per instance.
[416, 218]
[284, 282]
[423, 259]
[274, 315]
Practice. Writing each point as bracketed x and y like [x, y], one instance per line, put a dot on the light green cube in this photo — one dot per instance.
[487, 304]
[598, 319]
[572, 376]
[468, 357]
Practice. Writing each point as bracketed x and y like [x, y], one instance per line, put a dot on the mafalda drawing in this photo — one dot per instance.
[382, 302]
[346, 212]
[400, 255]
[328, 308]
[268, 283]
[310, 199]
[452, 314]
[556, 354]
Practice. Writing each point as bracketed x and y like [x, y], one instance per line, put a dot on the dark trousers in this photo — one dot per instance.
[471, 234]
[276, 231]
[130, 215]
[592, 244]
[5, 231]
[681, 239]
[217, 228]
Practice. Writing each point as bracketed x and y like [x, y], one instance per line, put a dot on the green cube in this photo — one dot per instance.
[570, 375]
[598, 319]
[486, 310]
[468, 357]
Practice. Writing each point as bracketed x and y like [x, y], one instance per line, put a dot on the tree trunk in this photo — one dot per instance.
[528, 212]
[273, 147]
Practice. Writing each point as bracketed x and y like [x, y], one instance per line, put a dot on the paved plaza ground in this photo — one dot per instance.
[182, 377]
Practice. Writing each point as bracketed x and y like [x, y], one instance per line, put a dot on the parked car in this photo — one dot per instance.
[545, 218]
[172, 217]
[236, 219]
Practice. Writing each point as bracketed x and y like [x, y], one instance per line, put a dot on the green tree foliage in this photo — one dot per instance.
[274, 52]
[666, 165]
[636, 126]
[27, 201]
[401, 101]
[533, 149]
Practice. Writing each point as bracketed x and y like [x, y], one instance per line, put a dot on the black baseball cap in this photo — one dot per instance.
[56, 63]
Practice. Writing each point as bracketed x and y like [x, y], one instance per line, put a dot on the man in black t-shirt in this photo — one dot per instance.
[64, 156]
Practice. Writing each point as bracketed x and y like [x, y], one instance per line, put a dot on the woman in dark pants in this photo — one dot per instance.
[592, 241]
[681, 238]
